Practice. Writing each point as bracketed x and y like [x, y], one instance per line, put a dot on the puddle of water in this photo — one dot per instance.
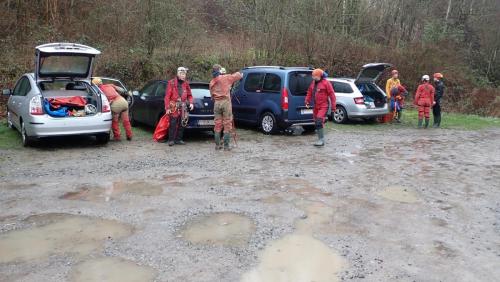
[97, 194]
[399, 194]
[228, 229]
[300, 256]
[58, 234]
[111, 269]
[296, 258]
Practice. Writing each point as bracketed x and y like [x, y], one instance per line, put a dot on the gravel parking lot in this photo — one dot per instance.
[394, 205]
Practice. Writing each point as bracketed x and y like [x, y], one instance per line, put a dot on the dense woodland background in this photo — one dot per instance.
[142, 40]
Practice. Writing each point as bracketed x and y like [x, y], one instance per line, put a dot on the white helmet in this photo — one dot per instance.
[426, 78]
[182, 69]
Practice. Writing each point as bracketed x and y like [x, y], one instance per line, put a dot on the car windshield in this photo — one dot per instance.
[200, 93]
[299, 83]
[51, 65]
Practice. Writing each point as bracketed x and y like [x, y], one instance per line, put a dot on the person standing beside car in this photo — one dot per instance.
[319, 91]
[220, 88]
[424, 99]
[390, 84]
[119, 108]
[177, 97]
[436, 110]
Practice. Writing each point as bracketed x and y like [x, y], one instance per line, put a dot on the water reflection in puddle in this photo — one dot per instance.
[229, 229]
[98, 194]
[57, 234]
[111, 270]
[399, 194]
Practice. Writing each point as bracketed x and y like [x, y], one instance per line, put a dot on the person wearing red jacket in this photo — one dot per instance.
[177, 98]
[319, 91]
[119, 108]
[424, 99]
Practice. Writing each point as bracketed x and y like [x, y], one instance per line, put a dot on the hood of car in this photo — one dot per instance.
[372, 72]
[64, 60]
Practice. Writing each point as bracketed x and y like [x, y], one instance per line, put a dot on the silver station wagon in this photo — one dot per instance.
[58, 99]
[360, 97]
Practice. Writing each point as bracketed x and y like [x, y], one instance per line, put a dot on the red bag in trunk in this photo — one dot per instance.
[161, 130]
[76, 101]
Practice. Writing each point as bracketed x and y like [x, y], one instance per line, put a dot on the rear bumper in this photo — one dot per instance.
[288, 123]
[46, 126]
[201, 122]
[360, 111]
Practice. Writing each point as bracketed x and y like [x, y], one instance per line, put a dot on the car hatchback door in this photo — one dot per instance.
[298, 84]
[64, 60]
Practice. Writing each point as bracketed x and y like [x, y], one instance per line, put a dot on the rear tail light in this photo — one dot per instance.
[359, 101]
[36, 106]
[284, 99]
[106, 108]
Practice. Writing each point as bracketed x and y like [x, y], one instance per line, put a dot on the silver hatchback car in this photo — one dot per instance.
[360, 97]
[62, 73]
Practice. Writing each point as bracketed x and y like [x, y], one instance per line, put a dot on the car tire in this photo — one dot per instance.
[340, 115]
[268, 123]
[9, 120]
[102, 139]
[27, 141]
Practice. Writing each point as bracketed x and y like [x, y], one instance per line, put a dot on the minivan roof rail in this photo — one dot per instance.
[277, 67]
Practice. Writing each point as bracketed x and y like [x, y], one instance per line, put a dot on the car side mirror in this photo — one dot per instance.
[7, 92]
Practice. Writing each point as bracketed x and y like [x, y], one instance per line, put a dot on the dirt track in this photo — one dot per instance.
[394, 205]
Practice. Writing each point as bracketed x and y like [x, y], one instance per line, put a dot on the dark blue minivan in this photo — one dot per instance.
[272, 97]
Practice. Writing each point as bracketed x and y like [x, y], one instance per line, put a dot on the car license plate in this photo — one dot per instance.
[206, 122]
[306, 111]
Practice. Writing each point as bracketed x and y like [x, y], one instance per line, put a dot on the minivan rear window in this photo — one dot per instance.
[342, 87]
[299, 83]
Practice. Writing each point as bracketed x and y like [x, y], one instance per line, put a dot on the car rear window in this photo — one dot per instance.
[200, 92]
[299, 83]
[253, 82]
[64, 65]
[342, 87]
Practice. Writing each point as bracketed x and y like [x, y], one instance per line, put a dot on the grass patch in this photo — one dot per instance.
[9, 138]
[410, 120]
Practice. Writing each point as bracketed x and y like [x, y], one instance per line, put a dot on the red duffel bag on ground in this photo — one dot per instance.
[161, 130]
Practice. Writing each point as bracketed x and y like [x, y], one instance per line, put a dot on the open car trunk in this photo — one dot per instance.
[64, 60]
[374, 96]
[66, 98]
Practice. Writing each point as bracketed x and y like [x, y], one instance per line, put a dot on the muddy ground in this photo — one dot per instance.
[391, 205]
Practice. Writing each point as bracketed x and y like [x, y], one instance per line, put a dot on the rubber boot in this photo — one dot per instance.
[227, 138]
[398, 119]
[437, 122]
[420, 123]
[217, 141]
[321, 138]
[426, 122]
